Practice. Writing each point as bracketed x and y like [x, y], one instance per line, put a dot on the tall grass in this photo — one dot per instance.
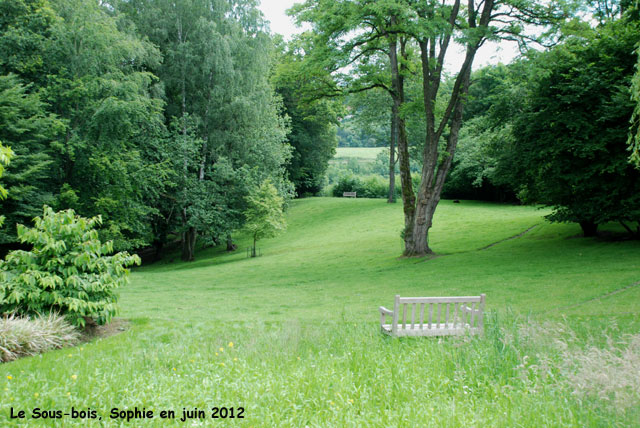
[22, 336]
[335, 374]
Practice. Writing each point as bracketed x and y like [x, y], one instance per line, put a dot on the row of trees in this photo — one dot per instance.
[160, 116]
[549, 129]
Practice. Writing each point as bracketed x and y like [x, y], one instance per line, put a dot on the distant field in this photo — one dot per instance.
[362, 154]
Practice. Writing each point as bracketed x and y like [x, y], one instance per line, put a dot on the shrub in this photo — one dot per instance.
[371, 186]
[375, 187]
[23, 336]
[347, 183]
[68, 270]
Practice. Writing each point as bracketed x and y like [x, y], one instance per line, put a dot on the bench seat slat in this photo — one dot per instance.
[404, 316]
[442, 330]
[413, 316]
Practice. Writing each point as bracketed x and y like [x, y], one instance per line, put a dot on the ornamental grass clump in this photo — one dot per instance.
[68, 270]
[23, 336]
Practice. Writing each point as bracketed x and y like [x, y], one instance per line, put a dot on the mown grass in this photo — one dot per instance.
[306, 347]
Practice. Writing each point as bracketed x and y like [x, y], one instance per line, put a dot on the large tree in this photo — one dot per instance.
[30, 130]
[353, 31]
[99, 84]
[313, 125]
[570, 139]
[82, 111]
[356, 47]
[222, 110]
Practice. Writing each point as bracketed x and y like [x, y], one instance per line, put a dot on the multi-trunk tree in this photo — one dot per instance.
[353, 31]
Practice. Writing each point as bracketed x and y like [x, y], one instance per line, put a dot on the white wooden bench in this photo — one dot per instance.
[349, 194]
[434, 316]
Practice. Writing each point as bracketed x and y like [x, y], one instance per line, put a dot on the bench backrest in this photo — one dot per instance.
[349, 194]
[438, 312]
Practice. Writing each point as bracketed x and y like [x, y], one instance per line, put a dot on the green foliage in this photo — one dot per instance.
[5, 158]
[312, 133]
[570, 150]
[25, 30]
[227, 130]
[264, 214]
[634, 135]
[482, 168]
[29, 130]
[84, 118]
[366, 186]
[68, 270]
[113, 151]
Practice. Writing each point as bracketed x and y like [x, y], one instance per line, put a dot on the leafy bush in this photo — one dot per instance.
[68, 270]
[347, 183]
[22, 336]
[372, 186]
[375, 187]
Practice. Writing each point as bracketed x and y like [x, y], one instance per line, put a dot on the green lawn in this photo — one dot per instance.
[561, 347]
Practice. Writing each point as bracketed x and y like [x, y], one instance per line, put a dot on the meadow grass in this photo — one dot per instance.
[362, 154]
[292, 336]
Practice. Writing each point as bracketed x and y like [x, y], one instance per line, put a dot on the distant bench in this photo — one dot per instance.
[435, 316]
[349, 195]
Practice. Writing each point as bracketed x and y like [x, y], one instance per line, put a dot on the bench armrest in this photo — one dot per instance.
[385, 311]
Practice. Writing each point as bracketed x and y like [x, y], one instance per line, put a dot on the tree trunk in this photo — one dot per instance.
[253, 249]
[589, 228]
[397, 92]
[392, 156]
[158, 245]
[435, 165]
[189, 244]
[230, 245]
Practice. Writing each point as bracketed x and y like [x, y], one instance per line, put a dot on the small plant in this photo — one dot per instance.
[22, 336]
[68, 270]
[265, 216]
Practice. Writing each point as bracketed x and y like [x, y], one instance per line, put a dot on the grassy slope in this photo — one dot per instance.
[340, 257]
[338, 262]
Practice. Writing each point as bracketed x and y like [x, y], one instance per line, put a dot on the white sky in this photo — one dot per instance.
[490, 53]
